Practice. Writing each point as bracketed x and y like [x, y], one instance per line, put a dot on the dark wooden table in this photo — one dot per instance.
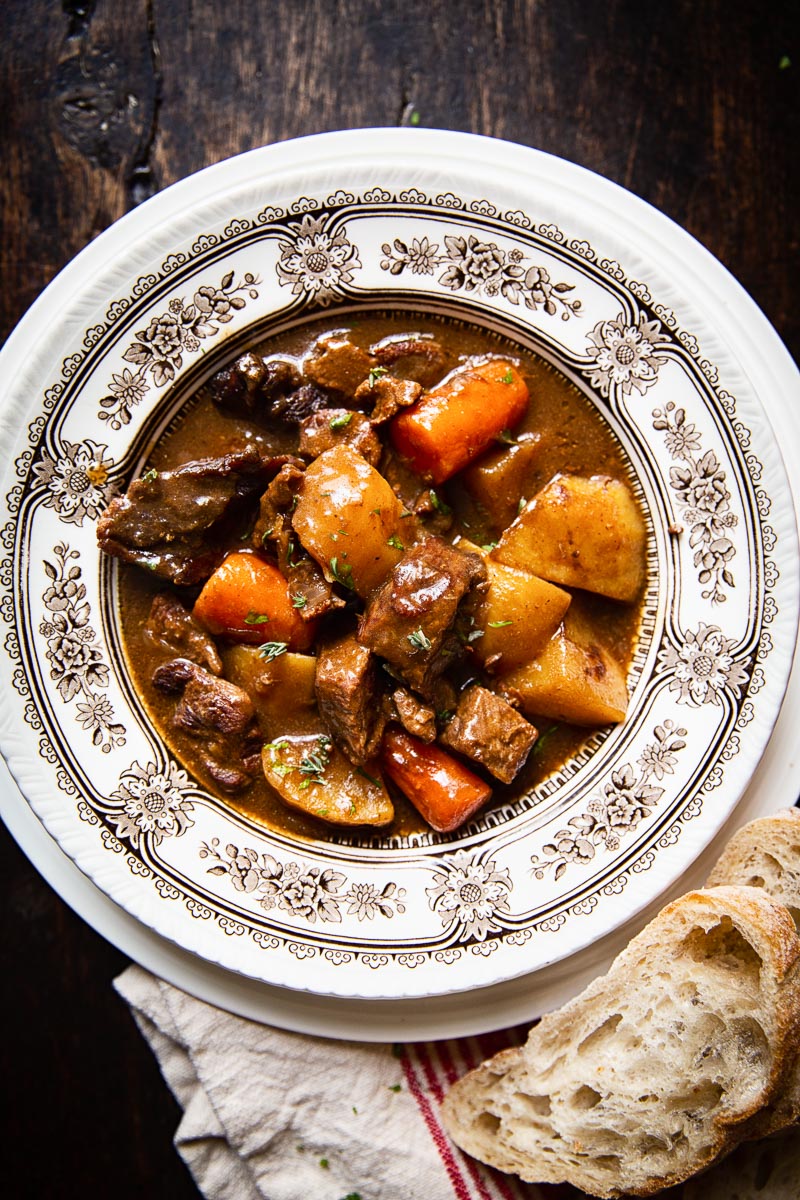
[693, 106]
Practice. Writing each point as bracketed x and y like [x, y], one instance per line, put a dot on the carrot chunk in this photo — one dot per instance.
[439, 787]
[456, 421]
[247, 600]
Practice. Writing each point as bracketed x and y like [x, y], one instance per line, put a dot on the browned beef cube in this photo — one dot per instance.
[251, 385]
[487, 729]
[172, 628]
[218, 715]
[348, 688]
[337, 364]
[208, 703]
[410, 619]
[174, 522]
[384, 397]
[323, 430]
[415, 356]
[414, 715]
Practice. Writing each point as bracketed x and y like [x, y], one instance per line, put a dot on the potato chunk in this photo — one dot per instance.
[282, 689]
[583, 533]
[309, 773]
[349, 520]
[574, 679]
[499, 480]
[518, 614]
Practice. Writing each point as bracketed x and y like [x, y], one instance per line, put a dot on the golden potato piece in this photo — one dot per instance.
[282, 690]
[583, 533]
[310, 774]
[579, 684]
[349, 520]
[518, 614]
[499, 480]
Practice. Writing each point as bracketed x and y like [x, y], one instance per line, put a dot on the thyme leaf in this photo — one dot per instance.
[272, 650]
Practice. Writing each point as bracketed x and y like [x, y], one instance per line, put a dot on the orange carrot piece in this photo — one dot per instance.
[456, 421]
[247, 600]
[439, 787]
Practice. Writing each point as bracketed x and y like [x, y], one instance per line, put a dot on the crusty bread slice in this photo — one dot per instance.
[766, 854]
[656, 1069]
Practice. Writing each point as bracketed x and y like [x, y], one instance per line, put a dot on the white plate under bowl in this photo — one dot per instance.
[655, 333]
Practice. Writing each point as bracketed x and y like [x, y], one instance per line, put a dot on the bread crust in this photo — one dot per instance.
[701, 1011]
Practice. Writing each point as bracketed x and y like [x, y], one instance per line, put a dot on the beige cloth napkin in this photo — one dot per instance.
[270, 1115]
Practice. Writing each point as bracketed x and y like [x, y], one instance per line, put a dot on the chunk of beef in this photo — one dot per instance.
[384, 397]
[410, 619]
[338, 365]
[298, 405]
[415, 356]
[216, 713]
[488, 730]
[418, 718]
[252, 386]
[175, 522]
[323, 430]
[348, 689]
[173, 629]
[274, 525]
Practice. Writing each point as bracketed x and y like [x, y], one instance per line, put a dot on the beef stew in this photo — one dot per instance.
[402, 548]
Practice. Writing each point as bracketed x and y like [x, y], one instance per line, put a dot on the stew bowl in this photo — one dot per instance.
[656, 335]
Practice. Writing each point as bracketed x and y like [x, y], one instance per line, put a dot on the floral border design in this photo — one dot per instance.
[625, 356]
[309, 892]
[469, 894]
[77, 481]
[704, 666]
[624, 802]
[315, 261]
[154, 802]
[483, 268]
[74, 651]
[702, 493]
[158, 350]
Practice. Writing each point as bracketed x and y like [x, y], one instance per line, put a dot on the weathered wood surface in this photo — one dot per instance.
[692, 106]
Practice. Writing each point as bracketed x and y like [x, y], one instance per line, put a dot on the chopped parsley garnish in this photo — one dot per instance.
[439, 504]
[419, 641]
[290, 549]
[414, 118]
[150, 475]
[395, 1087]
[508, 377]
[543, 739]
[342, 421]
[272, 650]
[299, 600]
[445, 714]
[342, 573]
[314, 765]
[369, 778]
[499, 624]
[505, 435]
[375, 374]
[254, 618]
[266, 535]
[487, 546]
[323, 1162]
[395, 543]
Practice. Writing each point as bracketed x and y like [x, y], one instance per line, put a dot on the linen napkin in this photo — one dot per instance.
[272, 1115]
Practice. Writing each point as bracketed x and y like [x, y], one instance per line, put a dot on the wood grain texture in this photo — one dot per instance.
[105, 102]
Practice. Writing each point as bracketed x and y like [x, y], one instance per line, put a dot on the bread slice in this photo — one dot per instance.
[658, 1067]
[766, 854]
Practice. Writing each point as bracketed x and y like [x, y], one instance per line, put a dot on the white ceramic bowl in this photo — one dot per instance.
[654, 332]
